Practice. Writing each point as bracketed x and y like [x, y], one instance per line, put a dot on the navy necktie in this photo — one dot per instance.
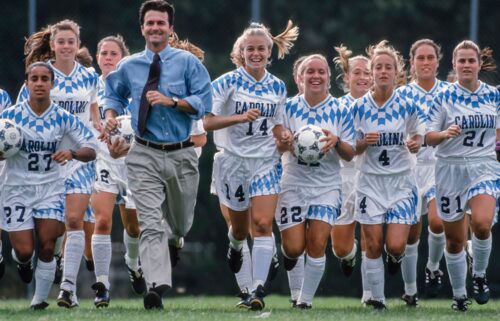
[151, 84]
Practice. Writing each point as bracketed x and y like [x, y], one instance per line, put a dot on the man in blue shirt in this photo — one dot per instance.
[168, 89]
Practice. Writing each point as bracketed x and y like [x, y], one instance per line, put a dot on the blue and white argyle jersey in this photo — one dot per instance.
[404, 211]
[396, 120]
[5, 101]
[478, 115]
[347, 100]
[42, 137]
[330, 115]
[82, 179]
[236, 92]
[424, 99]
[74, 92]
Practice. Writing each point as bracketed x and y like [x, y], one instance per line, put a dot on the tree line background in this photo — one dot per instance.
[214, 26]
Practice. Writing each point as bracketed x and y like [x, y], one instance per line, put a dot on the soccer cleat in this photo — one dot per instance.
[257, 299]
[64, 299]
[89, 264]
[469, 257]
[347, 266]
[273, 268]
[39, 306]
[433, 282]
[152, 299]
[59, 269]
[376, 305]
[288, 263]
[393, 263]
[293, 303]
[137, 280]
[101, 295]
[2, 266]
[460, 304]
[304, 306]
[235, 259]
[25, 271]
[244, 300]
[411, 300]
[481, 289]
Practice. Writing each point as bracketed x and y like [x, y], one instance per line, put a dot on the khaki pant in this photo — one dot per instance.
[164, 186]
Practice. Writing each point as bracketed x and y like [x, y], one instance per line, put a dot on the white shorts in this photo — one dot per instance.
[390, 199]
[112, 178]
[238, 179]
[349, 177]
[458, 180]
[21, 205]
[426, 188]
[297, 204]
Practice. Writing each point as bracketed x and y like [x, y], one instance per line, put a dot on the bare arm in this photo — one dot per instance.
[213, 122]
[435, 138]
[369, 139]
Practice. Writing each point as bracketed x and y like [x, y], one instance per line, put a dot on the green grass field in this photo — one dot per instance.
[222, 308]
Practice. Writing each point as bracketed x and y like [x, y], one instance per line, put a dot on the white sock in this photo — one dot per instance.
[58, 245]
[44, 276]
[457, 270]
[73, 252]
[262, 254]
[409, 268]
[296, 278]
[367, 292]
[482, 251]
[437, 243]
[131, 251]
[101, 251]
[313, 272]
[244, 276]
[375, 276]
[349, 256]
[234, 243]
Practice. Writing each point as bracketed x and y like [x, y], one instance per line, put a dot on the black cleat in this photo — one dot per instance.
[293, 303]
[235, 259]
[2, 266]
[460, 304]
[347, 266]
[137, 280]
[393, 263]
[377, 305]
[25, 271]
[411, 300]
[481, 289]
[90, 265]
[101, 295]
[244, 302]
[433, 282]
[59, 270]
[288, 263]
[39, 306]
[64, 299]
[257, 299]
[304, 306]
[273, 268]
[152, 299]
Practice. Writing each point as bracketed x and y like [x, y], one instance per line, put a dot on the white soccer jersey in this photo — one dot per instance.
[423, 98]
[478, 115]
[5, 101]
[236, 92]
[42, 137]
[396, 120]
[347, 100]
[329, 115]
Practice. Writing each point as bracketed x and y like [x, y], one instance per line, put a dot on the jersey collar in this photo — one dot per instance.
[61, 74]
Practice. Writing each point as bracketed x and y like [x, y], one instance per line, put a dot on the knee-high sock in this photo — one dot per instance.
[73, 252]
[409, 268]
[457, 270]
[437, 243]
[262, 253]
[131, 251]
[313, 272]
[296, 278]
[101, 251]
[367, 292]
[375, 276]
[482, 251]
[234, 243]
[244, 276]
[44, 276]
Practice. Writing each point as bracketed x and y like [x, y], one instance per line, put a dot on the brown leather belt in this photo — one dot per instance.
[165, 147]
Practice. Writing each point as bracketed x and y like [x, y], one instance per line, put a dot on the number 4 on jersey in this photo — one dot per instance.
[263, 128]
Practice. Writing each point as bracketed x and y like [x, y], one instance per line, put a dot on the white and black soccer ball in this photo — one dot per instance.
[125, 131]
[307, 145]
[11, 138]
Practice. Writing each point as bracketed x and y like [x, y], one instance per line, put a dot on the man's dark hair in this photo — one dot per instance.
[39, 64]
[157, 5]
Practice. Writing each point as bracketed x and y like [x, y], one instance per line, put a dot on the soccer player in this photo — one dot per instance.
[4, 103]
[33, 193]
[464, 124]
[75, 89]
[424, 59]
[389, 127]
[247, 109]
[310, 199]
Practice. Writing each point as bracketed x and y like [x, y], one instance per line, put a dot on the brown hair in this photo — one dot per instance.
[120, 42]
[174, 42]
[383, 48]
[343, 61]
[157, 5]
[485, 56]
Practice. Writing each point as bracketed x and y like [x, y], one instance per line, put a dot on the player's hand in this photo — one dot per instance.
[330, 141]
[371, 138]
[250, 115]
[111, 124]
[62, 156]
[97, 125]
[412, 146]
[286, 139]
[452, 131]
[118, 148]
[155, 97]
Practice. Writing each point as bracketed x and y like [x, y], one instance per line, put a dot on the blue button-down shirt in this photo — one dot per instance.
[182, 75]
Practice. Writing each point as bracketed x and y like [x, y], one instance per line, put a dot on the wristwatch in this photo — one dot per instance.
[176, 101]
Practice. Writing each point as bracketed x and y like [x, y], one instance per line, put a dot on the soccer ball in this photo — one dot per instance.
[11, 138]
[125, 131]
[307, 145]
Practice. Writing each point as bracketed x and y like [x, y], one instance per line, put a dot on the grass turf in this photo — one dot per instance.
[223, 308]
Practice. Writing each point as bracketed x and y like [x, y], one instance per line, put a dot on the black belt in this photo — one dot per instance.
[165, 147]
